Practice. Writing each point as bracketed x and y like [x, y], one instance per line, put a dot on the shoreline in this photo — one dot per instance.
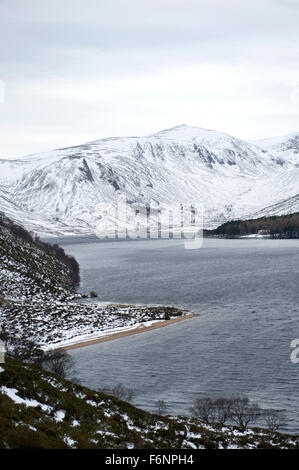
[121, 334]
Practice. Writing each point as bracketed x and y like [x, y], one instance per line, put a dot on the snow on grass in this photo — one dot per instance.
[59, 416]
[53, 324]
[188, 444]
[100, 334]
[36, 301]
[12, 393]
[70, 442]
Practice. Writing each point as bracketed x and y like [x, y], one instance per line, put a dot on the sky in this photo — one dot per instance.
[72, 71]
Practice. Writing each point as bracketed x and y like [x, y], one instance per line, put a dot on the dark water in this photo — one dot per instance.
[246, 292]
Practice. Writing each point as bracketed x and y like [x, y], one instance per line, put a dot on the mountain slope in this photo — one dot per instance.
[57, 192]
[286, 147]
[31, 268]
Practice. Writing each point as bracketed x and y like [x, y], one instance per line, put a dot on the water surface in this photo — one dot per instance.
[246, 292]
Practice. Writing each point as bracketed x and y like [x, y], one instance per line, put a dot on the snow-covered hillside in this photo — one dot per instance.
[57, 192]
[41, 410]
[286, 147]
[38, 302]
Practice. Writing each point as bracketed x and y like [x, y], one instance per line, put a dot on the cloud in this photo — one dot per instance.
[132, 66]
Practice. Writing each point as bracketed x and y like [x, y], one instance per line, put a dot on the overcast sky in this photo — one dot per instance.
[78, 70]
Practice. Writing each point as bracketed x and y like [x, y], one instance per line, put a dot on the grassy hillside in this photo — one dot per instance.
[283, 226]
[38, 410]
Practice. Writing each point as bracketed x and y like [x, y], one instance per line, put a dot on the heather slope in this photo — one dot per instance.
[38, 410]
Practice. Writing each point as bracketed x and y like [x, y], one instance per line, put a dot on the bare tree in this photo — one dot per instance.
[204, 409]
[119, 391]
[161, 407]
[239, 411]
[58, 362]
[244, 413]
[76, 380]
[274, 419]
[223, 409]
[20, 348]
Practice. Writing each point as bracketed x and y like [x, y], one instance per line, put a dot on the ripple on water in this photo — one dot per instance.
[247, 294]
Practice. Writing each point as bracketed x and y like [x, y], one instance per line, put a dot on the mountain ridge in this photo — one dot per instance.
[57, 192]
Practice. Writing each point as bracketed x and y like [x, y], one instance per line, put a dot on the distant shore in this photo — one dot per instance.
[121, 334]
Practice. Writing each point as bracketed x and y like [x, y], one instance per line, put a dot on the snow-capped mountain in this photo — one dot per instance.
[286, 147]
[57, 192]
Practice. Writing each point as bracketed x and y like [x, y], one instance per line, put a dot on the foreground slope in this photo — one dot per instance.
[38, 410]
[57, 192]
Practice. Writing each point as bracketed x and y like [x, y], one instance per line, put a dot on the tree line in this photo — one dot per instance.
[283, 226]
[239, 411]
